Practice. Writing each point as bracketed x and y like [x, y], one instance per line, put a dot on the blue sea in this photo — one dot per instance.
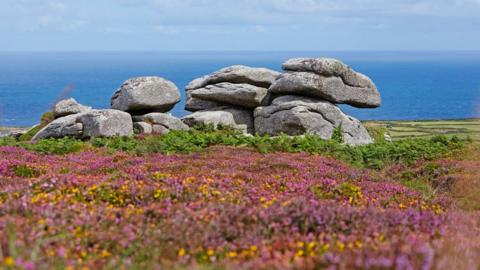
[414, 85]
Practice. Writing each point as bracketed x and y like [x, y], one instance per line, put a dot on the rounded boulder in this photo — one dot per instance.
[146, 94]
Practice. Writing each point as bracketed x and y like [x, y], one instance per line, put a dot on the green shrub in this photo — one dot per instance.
[26, 171]
[30, 133]
[117, 143]
[420, 185]
[3, 197]
[337, 135]
[56, 146]
[375, 156]
[8, 141]
[377, 132]
[45, 119]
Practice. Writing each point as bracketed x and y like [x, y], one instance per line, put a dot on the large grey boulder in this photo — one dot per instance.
[146, 94]
[160, 123]
[327, 79]
[261, 77]
[236, 118]
[106, 123]
[94, 123]
[61, 127]
[244, 95]
[295, 115]
[69, 106]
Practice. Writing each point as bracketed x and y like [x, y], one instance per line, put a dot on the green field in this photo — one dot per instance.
[407, 129]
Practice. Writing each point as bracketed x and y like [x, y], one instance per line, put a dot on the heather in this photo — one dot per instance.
[216, 199]
[218, 208]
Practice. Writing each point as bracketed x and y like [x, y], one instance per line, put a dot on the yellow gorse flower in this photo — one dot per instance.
[105, 253]
[182, 252]
[9, 261]
[299, 253]
[232, 254]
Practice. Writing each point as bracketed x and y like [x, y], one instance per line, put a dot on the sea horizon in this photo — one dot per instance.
[415, 85]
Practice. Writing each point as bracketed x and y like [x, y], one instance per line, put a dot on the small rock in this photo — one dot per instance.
[13, 133]
[215, 118]
[165, 120]
[142, 128]
[159, 129]
[69, 106]
[223, 116]
[387, 137]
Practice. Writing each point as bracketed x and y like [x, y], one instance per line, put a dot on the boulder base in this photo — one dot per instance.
[159, 123]
[236, 118]
[142, 128]
[95, 123]
[106, 123]
[67, 126]
[295, 115]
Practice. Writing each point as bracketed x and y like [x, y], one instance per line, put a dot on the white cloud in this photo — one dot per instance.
[241, 12]
[219, 22]
[260, 28]
[348, 7]
[33, 15]
[45, 20]
[165, 29]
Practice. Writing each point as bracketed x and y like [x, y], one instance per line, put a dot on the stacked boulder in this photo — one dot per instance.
[148, 99]
[306, 95]
[140, 104]
[299, 101]
[327, 79]
[228, 97]
[75, 120]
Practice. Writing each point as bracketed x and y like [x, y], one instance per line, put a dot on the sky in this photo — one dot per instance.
[238, 25]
